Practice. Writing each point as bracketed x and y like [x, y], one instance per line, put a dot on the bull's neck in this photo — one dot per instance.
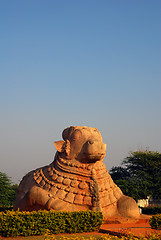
[73, 166]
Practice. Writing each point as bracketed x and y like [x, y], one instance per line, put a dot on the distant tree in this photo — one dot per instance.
[140, 174]
[7, 190]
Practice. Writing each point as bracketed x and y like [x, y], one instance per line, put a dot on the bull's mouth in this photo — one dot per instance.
[91, 158]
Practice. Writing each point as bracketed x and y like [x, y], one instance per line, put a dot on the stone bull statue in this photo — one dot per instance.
[76, 180]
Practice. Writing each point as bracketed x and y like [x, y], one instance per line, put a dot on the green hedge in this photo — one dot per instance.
[15, 223]
[155, 221]
[6, 208]
[151, 210]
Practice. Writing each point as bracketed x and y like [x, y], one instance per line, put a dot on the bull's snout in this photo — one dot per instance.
[93, 150]
[95, 145]
[104, 147]
[90, 142]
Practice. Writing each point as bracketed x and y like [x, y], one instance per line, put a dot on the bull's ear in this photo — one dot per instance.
[59, 145]
[62, 146]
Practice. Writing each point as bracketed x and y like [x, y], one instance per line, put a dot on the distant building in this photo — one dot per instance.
[143, 202]
[149, 202]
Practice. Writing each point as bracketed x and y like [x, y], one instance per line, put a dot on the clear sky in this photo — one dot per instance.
[78, 62]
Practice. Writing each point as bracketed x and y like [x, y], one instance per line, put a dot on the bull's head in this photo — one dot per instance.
[84, 144]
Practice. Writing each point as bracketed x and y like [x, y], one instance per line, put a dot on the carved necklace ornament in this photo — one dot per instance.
[72, 182]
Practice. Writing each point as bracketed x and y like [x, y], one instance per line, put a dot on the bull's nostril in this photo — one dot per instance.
[90, 142]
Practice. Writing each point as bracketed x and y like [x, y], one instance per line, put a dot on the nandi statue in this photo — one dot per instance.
[76, 180]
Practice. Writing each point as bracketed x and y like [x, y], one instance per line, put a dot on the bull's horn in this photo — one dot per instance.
[67, 132]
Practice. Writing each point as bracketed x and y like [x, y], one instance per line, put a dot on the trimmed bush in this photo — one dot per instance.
[155, 221]
[151, 210]
[6, 208]
[103, 237]
[15, 223]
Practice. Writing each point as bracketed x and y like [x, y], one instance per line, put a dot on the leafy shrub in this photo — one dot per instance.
[155, 221]
[130, 236]
[6, 208]
[15, 223]
[151, 210]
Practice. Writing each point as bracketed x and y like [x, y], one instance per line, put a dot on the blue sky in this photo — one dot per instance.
[92, 63]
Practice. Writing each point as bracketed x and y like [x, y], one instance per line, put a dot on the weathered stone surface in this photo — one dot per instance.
[77, 179]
